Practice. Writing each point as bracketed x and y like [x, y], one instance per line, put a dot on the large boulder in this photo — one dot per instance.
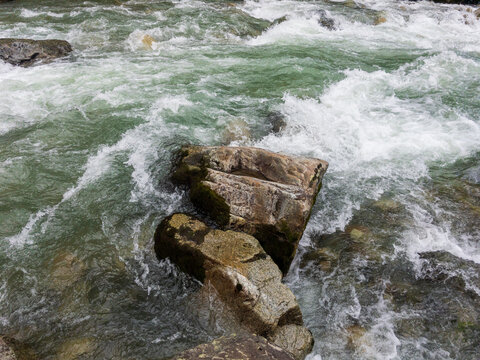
[243, 347]
[265, 194]
[6, 352]
[26, 52]
[244, 277]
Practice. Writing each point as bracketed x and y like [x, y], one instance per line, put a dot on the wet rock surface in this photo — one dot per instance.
[26, 52]
[296, 339]
[236, 266]
[244, 347]
[265, 194]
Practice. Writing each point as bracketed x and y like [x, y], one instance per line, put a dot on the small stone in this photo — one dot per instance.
[147, 41]
[357, 234]
[387, 205]
[355, 335]
[380, 20]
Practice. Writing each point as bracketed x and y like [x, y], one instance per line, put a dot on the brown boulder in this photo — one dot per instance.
[265, 194]
[26, 52]
[296, 339]
[234, 263]
[244, 347]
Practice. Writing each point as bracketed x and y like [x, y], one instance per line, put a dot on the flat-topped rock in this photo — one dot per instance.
[243, 275]
[243, 347]
[26, 52]
[265, 194]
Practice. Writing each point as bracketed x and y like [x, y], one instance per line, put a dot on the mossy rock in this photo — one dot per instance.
[264, 194]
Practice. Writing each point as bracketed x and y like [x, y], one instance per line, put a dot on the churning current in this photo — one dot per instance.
[386, 91]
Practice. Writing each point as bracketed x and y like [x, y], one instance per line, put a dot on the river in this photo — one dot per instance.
[386, 91]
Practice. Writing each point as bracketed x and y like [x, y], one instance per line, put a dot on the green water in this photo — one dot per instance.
[86, 146]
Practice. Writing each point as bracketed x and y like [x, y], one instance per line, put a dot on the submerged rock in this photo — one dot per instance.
[325, 21]
[66, 269]
[245, 347]
[243, 275]
[6, 352]
[148, 41]
[265, 194]
[75, 348]
[277, 121]
[26, 52]
[236, 130]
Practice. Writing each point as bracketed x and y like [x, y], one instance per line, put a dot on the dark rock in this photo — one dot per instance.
[277, 121]
[279, 20]
[444, 267]
[234, 263]
[244, 347]
[26, 52]
[325, 21]
[265, 194]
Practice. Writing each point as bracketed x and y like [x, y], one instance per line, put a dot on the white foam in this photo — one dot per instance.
[27, 13]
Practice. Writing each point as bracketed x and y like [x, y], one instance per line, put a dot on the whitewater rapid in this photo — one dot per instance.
[87, 144]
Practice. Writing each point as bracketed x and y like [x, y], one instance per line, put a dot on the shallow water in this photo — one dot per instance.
[86, 147]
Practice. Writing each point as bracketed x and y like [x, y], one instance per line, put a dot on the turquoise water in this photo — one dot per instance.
[86, 146]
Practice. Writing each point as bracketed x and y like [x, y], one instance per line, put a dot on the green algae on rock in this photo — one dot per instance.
[265, 194]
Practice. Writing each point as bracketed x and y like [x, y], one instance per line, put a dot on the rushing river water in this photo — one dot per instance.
[389, 266]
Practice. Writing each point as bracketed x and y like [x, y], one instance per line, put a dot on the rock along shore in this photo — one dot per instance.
[26, 52]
